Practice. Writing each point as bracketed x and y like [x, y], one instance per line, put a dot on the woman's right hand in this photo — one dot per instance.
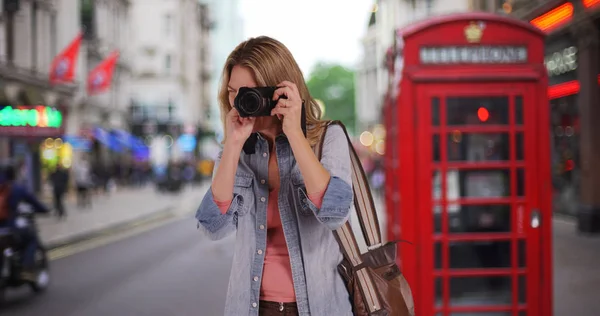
[238, 128]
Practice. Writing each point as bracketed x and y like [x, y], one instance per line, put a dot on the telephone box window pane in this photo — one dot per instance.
[520, 182]
[480, 254]
[437, 255]
[436, 148]
[438, 289]
[480, 291]
[437, 219]
[519, 110]
[522, 253]
[478, 146]
[480, 219]
[520, 146]
[477, 110]
[435, 111]
[522, 290]
[493, 183]
[452, 188]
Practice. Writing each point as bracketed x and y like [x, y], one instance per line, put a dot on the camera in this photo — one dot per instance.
[254, 102]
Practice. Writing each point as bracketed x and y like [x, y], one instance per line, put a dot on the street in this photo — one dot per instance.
[171, 270]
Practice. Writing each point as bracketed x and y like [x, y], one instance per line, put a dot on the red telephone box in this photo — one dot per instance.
[473, 149]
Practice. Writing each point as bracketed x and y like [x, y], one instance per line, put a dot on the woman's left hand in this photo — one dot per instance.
[290, 109]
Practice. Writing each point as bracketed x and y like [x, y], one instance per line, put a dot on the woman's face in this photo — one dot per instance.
[243, 77]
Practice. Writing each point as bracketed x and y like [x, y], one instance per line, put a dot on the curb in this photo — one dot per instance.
[153, 216]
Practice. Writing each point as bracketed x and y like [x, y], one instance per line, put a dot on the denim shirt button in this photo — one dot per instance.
[261, 227]
[255, 279]
[264, 154]
[262, 181]
[262, 199]
[259, 252]
[254, 305]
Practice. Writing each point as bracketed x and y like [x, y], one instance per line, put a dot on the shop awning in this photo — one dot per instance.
[107, 139]
[133, 143]
[128, 140]
[78, 143]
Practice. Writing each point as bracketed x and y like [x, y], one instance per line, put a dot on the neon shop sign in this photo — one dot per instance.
[36, 116]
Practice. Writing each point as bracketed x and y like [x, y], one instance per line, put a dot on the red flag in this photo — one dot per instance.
[63, 66]
[100, 77]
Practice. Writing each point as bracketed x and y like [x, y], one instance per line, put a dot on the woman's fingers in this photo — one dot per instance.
[283, 91]
[291, 85]
[281, 111]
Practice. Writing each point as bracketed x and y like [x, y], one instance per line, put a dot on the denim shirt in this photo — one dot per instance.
[313, 250]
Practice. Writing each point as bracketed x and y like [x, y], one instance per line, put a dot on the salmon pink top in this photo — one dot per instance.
[277, 284]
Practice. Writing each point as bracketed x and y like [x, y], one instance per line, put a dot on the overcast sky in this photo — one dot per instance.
[314, 30]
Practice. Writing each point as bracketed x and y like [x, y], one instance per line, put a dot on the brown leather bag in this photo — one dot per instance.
[374, 280]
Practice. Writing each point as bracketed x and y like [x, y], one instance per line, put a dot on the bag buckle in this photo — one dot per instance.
[375, 246]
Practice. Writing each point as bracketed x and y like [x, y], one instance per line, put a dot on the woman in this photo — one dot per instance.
[281, 200]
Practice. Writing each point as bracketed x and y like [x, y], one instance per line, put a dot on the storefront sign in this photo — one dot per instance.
[31, 121]
[561, 60]
[560, 63]
[480, 54]
[38, 116]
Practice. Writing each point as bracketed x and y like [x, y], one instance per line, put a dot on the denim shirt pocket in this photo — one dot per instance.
[243, 187]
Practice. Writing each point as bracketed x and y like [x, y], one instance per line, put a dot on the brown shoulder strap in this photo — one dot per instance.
[367, 217]
[363, 200]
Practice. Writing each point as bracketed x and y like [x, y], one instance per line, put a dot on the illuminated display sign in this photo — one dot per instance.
[38, 120]
[38, 116]
[480, 54]
[561, 60]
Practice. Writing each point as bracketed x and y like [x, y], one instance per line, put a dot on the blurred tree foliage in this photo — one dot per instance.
[334, 85]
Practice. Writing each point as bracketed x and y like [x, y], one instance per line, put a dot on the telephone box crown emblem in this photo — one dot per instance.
[474, 32]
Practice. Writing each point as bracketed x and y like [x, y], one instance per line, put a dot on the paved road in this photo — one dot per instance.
[171, 270]
[174, 270]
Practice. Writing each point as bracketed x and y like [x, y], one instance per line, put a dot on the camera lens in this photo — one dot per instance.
[250, 103]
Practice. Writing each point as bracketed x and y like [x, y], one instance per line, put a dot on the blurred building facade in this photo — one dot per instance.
[573, 64]
[106, 29]
[386, 18]
[31, 34]
[170, 90]
[227, 33]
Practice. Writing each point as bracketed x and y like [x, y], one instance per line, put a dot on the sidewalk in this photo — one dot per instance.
[576, 270]
[576, 265]
[109, 211]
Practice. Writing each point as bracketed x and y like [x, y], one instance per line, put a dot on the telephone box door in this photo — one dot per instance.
[477, 179]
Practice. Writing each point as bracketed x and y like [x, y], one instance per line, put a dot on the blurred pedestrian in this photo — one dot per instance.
[282, 201]
[83, 182]
[60, 183]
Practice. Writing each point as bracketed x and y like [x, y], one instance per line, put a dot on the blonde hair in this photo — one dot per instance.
[271, 63]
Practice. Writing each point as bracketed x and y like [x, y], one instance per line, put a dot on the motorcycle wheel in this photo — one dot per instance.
[43, 275]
